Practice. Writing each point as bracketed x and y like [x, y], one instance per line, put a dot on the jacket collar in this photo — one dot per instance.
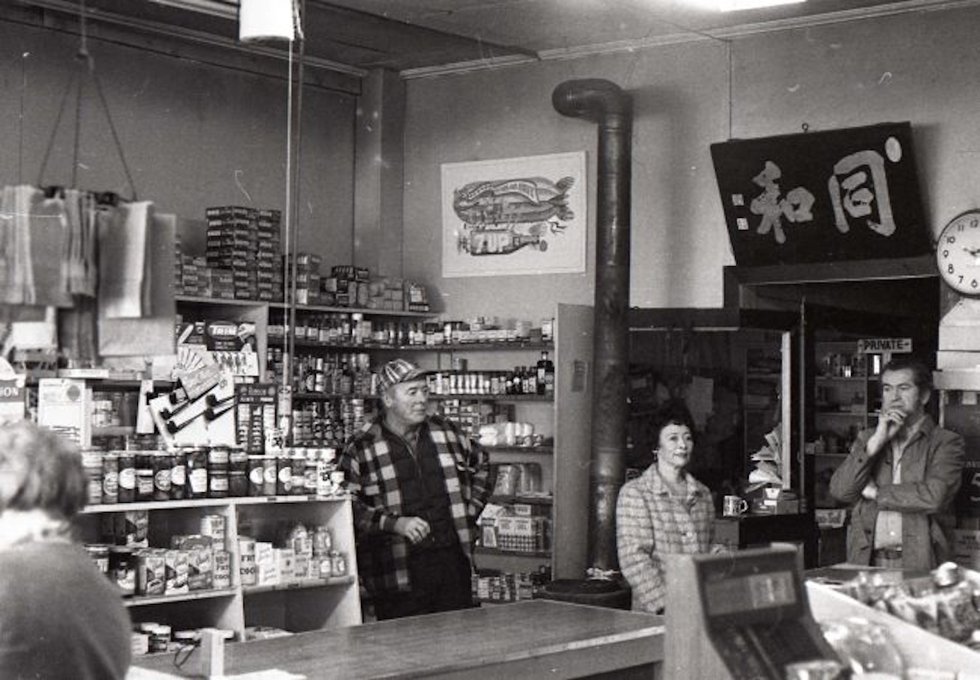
[655, 482]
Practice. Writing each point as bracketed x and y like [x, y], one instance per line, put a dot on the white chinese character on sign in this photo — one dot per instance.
[859, 190]
[795, 206]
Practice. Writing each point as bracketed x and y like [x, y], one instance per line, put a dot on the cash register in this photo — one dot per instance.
[739, 616]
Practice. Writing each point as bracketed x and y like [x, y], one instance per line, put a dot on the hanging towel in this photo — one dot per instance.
[153, 334]
[15, 244]
[80, 209]
[123, 288]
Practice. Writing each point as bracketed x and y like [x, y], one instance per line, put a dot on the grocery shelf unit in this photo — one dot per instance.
[847, 394]
[763, 385]
[564, 422]
[296, 606]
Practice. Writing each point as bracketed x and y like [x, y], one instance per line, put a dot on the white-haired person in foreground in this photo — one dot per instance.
[60, 617]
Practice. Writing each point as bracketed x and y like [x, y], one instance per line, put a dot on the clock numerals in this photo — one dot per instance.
[958, 253]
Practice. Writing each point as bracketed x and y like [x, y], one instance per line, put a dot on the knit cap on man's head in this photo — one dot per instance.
[399, 371]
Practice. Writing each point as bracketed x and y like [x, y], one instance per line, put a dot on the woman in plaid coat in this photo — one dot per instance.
[664, 510]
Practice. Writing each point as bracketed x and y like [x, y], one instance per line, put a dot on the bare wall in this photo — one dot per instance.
[194, 135]
[921, 67]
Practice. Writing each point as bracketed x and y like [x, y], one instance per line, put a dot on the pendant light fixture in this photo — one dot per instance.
[266, 20]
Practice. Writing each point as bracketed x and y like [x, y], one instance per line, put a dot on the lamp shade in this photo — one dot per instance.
[265, 20]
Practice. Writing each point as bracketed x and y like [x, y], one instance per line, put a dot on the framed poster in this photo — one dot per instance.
[514, 216]
[848, 194]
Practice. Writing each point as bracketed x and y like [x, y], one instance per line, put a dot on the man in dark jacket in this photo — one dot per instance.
[901, 477]
[418, 485]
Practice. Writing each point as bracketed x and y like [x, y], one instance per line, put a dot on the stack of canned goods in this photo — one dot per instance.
[123, 476]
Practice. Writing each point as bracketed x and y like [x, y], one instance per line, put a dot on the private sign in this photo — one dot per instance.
[875, 345]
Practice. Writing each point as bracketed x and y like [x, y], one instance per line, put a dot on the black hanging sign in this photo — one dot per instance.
[850, 194]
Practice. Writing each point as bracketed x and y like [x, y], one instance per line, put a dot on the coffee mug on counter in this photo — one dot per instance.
[733, 506]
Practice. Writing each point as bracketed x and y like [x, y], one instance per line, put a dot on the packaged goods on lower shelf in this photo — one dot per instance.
[513, 528]
[297, 553]
[150, 637]
[503, 588]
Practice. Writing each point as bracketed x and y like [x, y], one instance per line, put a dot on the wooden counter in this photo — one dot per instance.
[531, 639]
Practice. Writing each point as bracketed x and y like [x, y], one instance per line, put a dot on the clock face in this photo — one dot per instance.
[958, 253]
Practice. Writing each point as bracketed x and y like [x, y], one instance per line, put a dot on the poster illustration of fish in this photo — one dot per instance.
[514, 216]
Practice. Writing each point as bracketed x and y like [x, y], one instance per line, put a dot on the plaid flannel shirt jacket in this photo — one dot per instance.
[382, 555]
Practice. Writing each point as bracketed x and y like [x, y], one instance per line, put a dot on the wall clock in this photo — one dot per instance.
[958, 253]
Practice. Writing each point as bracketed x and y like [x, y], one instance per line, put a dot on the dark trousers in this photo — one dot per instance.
[440, 579]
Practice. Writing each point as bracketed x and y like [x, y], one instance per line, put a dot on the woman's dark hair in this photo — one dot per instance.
[40, 470]
[673, 412]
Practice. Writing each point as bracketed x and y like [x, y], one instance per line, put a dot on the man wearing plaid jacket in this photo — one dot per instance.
[418, 485]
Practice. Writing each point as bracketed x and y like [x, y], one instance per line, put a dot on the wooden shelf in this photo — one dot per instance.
[493, 397]
[841, 378]
[277, 304]
[190, 299]
[301, 584]
[504, 346]
[328, 396]
[537, 554]
[528, 450]
[207, 502]
[351, 310]
[527, 500]
[113, 431]
[338, 346]
[147, 600]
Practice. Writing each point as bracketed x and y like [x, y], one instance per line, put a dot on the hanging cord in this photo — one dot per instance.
[86, 65]
[292, 184]
[295, 171]
[287, 342]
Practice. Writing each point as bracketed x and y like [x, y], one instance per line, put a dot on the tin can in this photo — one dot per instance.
[127, 476]
[247, 568]
[160, 638]
[256, 475]
[270, 476]
[197, 473]
[140, 644]
[218, 482]
[92, 462]
[284, 475]
[110, 478]
[163, 464]
[144, 476]
[310, 472]
[338, 563]
[297, 468]
[100, 555]
[222, 569]
[122, 569]
[218, 456]
[237, 459]
[237, 483]
[178, 474]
